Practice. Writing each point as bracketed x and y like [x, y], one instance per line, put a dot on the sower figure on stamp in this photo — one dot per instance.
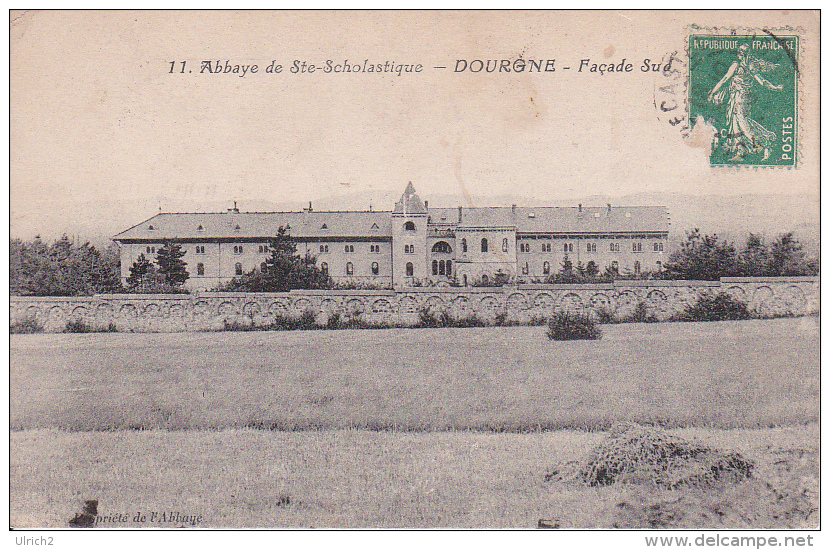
[744, 134]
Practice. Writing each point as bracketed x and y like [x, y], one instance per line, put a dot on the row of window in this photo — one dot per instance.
[444, 248]
[592, 247]
[442, 267]
[375, 268]
[324, 267]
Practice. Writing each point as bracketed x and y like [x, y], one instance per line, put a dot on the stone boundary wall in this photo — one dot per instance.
[210, 310]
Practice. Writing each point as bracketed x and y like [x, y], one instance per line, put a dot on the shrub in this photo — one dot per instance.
[79, 326]
[640, 315]
[307, 321]
[501, 319]
[426, 319]
[604, 316]
[569, 326]
[26, 326]
[537, 321]
[721, 307]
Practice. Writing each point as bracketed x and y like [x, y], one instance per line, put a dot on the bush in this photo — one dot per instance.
[640, 315]
[721, 307]
[604, 316]
[26, 326]
[79, 326]
[568, 326]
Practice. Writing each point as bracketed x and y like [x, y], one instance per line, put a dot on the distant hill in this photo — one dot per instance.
[731, 217]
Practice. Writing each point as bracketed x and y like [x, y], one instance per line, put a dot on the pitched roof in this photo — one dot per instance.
[410, 202]
[261, 224]
[630, 219]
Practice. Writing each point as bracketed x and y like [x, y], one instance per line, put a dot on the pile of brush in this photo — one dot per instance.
[634, 453]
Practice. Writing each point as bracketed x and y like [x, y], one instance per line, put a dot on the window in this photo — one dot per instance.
[658, 247]
[545, 247]
[435, 267]
[349, 268]
[151, 228]
[375, 248]
[324, 248]
[324, 267]
[409, 249]
[659, 265]
[591, 247]
[504, 245]
[615, 247]
[546, 268]
[463, 245]
[442, 247]
[324, 226]
[615, 265]
[409, 226]
[237, 249]
[569, 247]
[200, 228]
[637, 247]
[465, 280]
[349, 248]
[151, 250]
[200, 269]
[484, 245]
[637, 267]
[200, 249]
[525, 269]
[485, 279]
[524, 247]
[449, 268]
[262, 249]
[375, 268]
[238, 268]
[409, 269]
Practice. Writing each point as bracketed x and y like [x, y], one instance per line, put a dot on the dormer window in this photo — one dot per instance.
[324, 226]
[151, 228]
[237, 228]
[200, 228]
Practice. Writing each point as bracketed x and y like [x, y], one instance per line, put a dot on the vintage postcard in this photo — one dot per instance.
[415, 270]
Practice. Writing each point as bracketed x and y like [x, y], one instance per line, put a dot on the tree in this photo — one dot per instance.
[171, 267]
[702, 258]
[139, 272]
[786, 257]
[591, 270]
[61, 269]
[284, 269]
[754, 258]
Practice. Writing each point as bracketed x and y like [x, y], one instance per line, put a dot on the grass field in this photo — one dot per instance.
[408, 428]
[728, 374]
[357, 478]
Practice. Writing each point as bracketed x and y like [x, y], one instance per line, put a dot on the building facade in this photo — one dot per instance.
[413, 244]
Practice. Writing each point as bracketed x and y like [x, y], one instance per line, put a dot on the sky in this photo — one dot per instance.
[103, 136]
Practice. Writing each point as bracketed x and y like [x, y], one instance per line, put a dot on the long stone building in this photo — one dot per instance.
[413, 244]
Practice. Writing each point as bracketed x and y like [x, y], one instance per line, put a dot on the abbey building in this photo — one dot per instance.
[413, 244]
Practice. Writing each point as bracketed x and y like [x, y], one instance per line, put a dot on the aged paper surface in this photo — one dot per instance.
[117, 116]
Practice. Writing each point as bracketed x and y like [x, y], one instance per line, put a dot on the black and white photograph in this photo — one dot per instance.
[415, 270]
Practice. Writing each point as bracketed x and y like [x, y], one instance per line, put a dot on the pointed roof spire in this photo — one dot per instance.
[410, 202]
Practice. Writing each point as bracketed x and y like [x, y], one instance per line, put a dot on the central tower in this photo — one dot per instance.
[409, 239]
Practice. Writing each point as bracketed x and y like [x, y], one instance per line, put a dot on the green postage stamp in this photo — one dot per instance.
[746, 86]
